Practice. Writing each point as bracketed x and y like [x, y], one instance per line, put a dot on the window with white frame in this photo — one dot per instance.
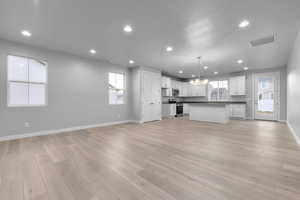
[218, 90]
[27, 82]
[116, 88]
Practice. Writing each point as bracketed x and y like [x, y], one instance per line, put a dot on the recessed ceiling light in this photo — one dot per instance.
[169, 49]
[93, 51]
[216, 72]
[205, 67]
[240, 61]
[127, 29]
[180, 72]
[131, 62]
[244, 24]
[193, 76]
[246, 68]
[26, 33]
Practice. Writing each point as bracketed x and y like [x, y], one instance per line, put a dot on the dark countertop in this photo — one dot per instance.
[209, 102]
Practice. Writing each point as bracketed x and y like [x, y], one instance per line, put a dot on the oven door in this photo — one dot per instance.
[179, 109]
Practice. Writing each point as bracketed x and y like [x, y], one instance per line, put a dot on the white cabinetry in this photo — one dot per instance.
[186, 109]
[173, 109]
[185, 88]
[237, 85]
[165, 82]
[197, 90]
[168, 110]
[166, 92]
[174, 84]
[202, 90]
[238, 111]
[180, 88]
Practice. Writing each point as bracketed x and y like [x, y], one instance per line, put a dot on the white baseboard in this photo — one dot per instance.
[282, 121]
[135, 121]
[57, 131]
[293, 133]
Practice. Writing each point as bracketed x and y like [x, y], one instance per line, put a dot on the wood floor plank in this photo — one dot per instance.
[33, 185]
[54, 181]
[172, 159]
[11, 182]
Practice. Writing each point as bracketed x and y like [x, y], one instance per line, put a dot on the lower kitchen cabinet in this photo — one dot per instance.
[186, 109]
[168, 110]
[238, 111]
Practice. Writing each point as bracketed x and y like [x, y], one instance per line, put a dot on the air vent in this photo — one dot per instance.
[262, 41]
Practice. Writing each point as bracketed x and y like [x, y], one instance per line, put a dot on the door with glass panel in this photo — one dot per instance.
[266, 96]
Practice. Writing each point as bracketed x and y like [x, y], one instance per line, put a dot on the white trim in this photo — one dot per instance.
[282, 121]
[293, 133]
[137, 121]
[57, 131]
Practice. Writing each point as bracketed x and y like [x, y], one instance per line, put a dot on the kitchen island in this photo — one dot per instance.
[211, 111]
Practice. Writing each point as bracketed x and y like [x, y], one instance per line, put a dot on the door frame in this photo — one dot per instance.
[278, 106]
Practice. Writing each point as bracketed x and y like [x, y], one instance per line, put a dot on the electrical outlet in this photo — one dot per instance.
[27, 125]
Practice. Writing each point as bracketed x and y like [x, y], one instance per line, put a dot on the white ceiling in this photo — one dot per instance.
[208, 28]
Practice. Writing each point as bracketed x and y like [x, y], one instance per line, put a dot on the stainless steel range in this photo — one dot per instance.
[179, 109]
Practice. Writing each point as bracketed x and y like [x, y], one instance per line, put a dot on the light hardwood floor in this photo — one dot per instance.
[172, 160]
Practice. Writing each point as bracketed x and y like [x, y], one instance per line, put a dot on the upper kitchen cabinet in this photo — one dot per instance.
[197, 90]
[180, 87]
[166, 82]
[184, 89]
[166, 92]
[174, 84]
[237, 85]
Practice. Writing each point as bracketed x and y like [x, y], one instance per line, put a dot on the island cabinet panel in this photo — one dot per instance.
[238, 111]
[218, 112]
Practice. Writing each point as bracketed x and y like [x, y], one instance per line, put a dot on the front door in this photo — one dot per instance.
[266, 96]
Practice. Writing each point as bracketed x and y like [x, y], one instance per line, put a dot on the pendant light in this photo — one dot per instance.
[198, 80]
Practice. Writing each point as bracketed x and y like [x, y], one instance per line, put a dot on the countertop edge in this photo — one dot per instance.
[208, 102]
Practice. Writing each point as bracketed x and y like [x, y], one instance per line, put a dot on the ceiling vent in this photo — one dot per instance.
[262, 41]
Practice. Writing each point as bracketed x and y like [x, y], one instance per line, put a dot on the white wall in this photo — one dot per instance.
[293, 88]
[77, 93]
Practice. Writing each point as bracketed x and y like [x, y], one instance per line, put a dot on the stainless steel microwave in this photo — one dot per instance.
[175, 92]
